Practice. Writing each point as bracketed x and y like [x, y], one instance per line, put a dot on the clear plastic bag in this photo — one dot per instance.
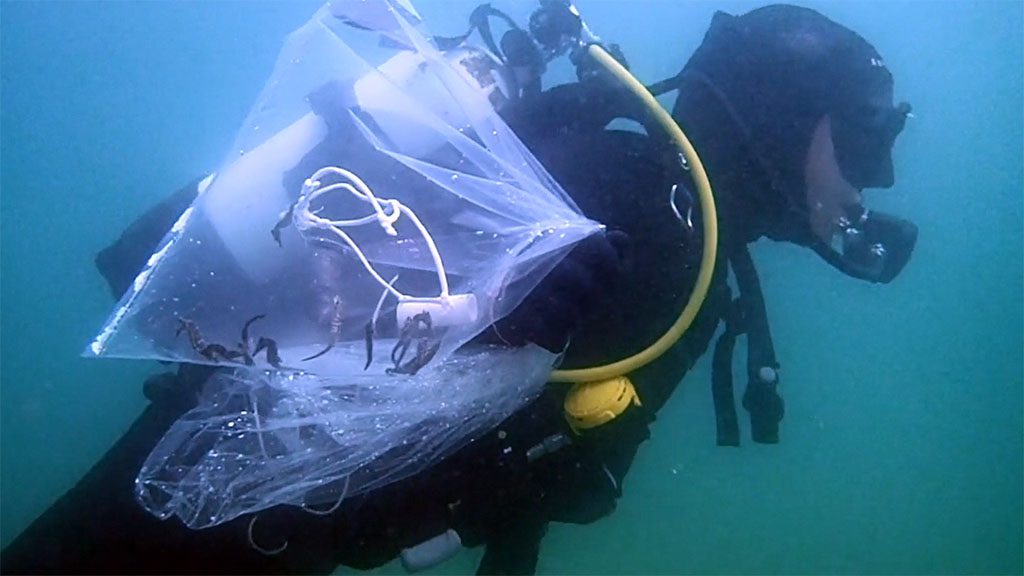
[377, 215]
[256, 441]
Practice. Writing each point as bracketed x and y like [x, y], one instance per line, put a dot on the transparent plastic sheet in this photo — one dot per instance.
[302, 440]
[377, 214]
[415, 131]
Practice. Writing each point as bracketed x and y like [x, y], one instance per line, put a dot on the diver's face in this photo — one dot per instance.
[829, 195]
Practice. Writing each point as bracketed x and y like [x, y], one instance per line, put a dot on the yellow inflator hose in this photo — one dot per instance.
[709, 219]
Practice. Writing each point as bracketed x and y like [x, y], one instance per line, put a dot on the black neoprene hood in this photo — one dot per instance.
[781, 68]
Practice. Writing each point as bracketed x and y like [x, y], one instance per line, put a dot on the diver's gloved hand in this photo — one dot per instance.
[120, 262]
[580, 283]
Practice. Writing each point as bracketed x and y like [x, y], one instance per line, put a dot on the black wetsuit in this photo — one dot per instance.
[488, 491]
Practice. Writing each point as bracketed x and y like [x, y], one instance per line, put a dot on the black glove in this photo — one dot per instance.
[579, 283]
[120, 262]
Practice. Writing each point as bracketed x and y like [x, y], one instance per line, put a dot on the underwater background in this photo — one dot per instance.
[902, 443]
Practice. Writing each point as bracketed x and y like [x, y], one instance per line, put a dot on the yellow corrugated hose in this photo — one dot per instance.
[709, 218]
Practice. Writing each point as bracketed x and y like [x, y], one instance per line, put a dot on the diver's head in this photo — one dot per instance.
[805, 107]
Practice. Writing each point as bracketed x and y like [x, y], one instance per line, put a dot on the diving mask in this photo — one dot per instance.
[863, 140]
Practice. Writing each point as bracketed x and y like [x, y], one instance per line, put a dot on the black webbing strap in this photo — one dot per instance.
[480, 19]
[747, 315]
[728, 429]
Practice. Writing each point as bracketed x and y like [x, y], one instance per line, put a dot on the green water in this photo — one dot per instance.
[902, 444]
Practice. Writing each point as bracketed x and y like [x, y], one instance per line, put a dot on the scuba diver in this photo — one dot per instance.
[793, 117]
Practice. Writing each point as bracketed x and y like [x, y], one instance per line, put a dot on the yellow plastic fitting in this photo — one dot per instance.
[591, 404]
